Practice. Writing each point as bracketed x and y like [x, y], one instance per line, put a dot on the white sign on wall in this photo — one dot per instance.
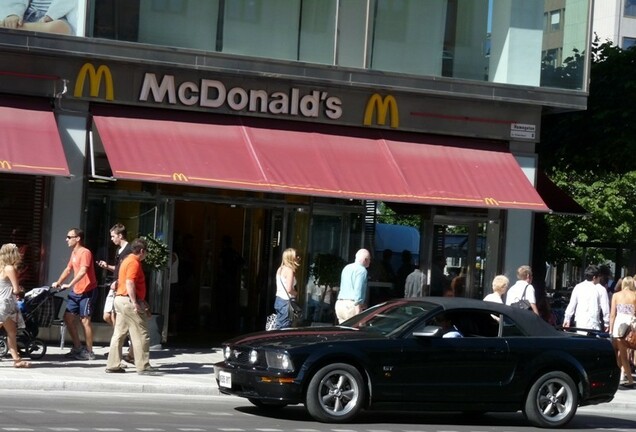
[521, 130]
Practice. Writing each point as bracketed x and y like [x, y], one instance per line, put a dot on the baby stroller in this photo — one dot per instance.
[38, 311]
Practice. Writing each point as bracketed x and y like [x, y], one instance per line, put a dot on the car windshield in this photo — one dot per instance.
[387, 318]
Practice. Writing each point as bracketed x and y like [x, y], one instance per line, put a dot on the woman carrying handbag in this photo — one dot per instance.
[621, 317]
[286, 288]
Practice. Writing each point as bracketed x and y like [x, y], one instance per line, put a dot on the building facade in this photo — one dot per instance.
[615, 21]
[233, 129]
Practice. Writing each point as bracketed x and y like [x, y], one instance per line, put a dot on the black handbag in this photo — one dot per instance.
[522, 303]
[295, 309]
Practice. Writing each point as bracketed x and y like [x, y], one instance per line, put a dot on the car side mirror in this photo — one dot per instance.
[429, 331]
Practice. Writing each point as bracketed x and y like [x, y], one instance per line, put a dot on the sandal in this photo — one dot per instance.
[21, 364]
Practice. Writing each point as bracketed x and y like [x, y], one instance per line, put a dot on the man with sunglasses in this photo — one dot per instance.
[81, 299]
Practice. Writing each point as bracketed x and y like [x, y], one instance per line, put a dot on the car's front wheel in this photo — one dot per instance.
[336, 393]
[552, 400]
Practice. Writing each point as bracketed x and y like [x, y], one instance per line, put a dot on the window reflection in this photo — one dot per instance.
[535, 43]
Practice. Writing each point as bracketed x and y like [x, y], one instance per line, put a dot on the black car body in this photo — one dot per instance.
[394, 357]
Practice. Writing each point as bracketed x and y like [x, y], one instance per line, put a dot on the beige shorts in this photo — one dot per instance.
[109, 304]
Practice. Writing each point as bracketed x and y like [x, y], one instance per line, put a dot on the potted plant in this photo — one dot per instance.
[325, 271]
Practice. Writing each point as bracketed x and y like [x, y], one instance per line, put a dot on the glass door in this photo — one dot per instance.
[459, 258]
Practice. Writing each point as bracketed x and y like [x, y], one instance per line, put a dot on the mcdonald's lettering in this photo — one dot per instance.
[5, 165]
[383, 107]
[95, 77]
[491, 202]
[180, 177]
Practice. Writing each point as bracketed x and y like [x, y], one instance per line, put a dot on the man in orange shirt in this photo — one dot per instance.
[131, 309]
[81, 299]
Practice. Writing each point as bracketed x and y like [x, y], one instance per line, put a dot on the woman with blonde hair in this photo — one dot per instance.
[622, 311]
[286, 288]
[499, 288]
[9, 260]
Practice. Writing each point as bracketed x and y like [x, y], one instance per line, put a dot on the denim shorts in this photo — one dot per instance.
[81, 304]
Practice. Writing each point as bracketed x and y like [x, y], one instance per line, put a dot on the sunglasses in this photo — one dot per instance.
[70, 237]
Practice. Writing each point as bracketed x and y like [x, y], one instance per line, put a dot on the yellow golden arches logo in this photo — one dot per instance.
[180, 177]
[95, 77]
[384, 106]
[5, 165]
[491, 202]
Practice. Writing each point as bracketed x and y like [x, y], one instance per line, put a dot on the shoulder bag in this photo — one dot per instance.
[522, 303]
[295, 310]
[630, 335]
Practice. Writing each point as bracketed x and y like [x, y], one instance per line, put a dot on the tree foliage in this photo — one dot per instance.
[388, 216]
[588, 154]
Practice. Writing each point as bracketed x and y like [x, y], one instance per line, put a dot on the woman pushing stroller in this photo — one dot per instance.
[9, 259]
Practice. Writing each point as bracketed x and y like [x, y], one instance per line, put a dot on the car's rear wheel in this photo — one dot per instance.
[267, 405]
[336, 393]
[552, 400]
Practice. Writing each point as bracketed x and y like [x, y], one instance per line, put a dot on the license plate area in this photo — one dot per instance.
[225, 379]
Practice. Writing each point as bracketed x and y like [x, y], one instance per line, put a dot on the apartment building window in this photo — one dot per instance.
[630, 8]
[628, 42]
[555, 20]
[552, 57]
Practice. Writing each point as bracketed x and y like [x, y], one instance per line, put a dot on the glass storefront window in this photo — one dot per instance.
[499, 41]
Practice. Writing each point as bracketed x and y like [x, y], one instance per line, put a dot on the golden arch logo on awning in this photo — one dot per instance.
[382, 107]
[5, 165]
[95, 77]
[491, 202]
[180, 177]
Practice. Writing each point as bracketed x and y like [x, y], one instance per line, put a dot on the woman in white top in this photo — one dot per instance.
[622, 311]
[9, 259]
[499, 288]
[286, 287]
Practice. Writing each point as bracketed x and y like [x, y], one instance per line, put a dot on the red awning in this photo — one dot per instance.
[30, 142]
[297, 158]
[557, 200]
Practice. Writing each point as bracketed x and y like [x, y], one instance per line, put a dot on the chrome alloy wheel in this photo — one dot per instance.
[338, 392]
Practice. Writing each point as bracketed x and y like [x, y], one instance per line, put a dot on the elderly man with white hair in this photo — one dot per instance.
[352, 296]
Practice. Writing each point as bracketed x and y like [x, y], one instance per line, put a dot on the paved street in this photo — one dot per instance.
[181, 372]
[64, 411]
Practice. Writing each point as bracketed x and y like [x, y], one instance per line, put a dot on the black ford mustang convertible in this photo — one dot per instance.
[428, 354]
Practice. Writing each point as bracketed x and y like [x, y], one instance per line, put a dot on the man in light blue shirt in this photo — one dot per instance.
[352, 295]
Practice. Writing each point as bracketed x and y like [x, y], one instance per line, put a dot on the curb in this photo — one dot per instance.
[109, 387]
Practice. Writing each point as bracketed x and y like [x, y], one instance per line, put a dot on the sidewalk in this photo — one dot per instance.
[181, 371]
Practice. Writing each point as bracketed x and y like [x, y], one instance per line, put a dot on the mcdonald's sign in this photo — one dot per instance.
[179, 177]
[95, 77]
[5, 165]
[491, 202]
[382, 106]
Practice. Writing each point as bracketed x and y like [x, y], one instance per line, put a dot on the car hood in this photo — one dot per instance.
[296, 337]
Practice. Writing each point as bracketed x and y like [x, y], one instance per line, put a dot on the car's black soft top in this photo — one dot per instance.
[530, 321]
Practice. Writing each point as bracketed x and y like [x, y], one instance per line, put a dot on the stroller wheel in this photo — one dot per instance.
[4, 348]
[36, 349]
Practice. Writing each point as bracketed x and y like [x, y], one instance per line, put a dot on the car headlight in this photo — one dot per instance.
[253, 356]
[279, 360]
[227, 352]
